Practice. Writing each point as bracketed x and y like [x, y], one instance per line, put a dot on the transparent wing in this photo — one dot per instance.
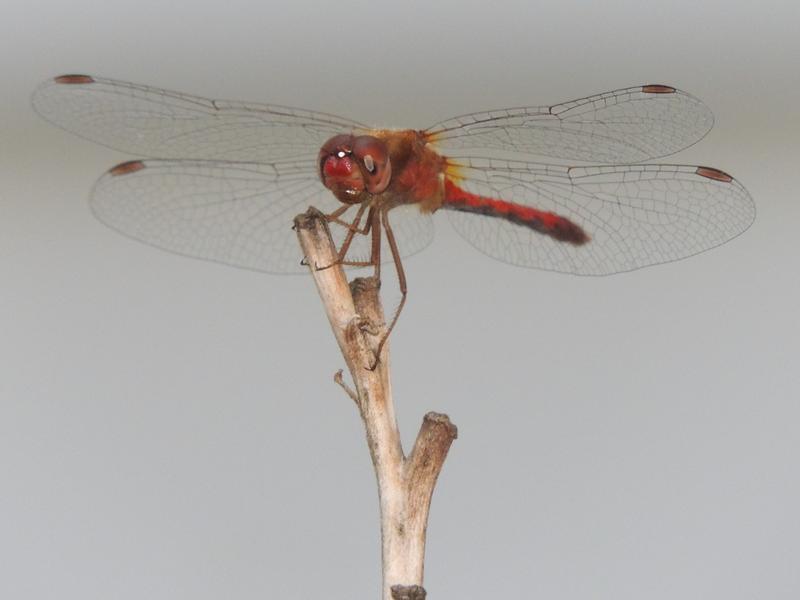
[634, 215]
[157, 123]
[234, 213]
[623, 126]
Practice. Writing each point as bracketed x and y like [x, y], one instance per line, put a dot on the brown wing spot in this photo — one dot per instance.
[658, 89]
[712, 173]
[126, 168]
[73, 79]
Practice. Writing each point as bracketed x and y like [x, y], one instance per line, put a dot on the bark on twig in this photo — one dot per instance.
[405, 485]
[408, 592]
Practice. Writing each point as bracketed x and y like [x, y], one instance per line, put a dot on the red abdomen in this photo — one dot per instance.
[547, 223]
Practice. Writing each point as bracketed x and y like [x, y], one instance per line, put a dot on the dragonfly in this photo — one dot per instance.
[565, 187]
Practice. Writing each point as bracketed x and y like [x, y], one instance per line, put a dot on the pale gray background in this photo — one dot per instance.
[169, 428]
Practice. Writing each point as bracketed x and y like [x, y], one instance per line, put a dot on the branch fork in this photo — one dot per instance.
[405, 484]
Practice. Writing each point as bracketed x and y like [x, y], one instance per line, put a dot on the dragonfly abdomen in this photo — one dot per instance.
[547, 223]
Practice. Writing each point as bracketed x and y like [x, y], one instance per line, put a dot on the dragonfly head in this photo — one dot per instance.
[350, 165]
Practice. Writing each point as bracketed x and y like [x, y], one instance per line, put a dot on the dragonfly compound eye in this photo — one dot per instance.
[339, 169]
[372, 154]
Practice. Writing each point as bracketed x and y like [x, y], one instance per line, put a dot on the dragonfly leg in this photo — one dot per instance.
[338, 212]
[401, 278]
[349, 225]
[352, 229]
[374, 218]
[372, 225]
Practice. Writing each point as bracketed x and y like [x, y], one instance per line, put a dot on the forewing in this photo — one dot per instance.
[624, 126]
[155, 123]
[634, 215]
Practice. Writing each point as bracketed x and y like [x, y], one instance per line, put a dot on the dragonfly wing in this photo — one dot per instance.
[157, 123]
[234, 213]
[634, 215]
[239, 214]
[624, 126]
[412, 229]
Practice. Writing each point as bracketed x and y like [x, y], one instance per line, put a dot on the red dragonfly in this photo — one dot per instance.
[224, 179]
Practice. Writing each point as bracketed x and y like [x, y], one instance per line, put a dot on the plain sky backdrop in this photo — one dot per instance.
[169, 428]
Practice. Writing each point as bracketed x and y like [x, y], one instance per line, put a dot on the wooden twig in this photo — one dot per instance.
[408, 592]
[405, 485]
